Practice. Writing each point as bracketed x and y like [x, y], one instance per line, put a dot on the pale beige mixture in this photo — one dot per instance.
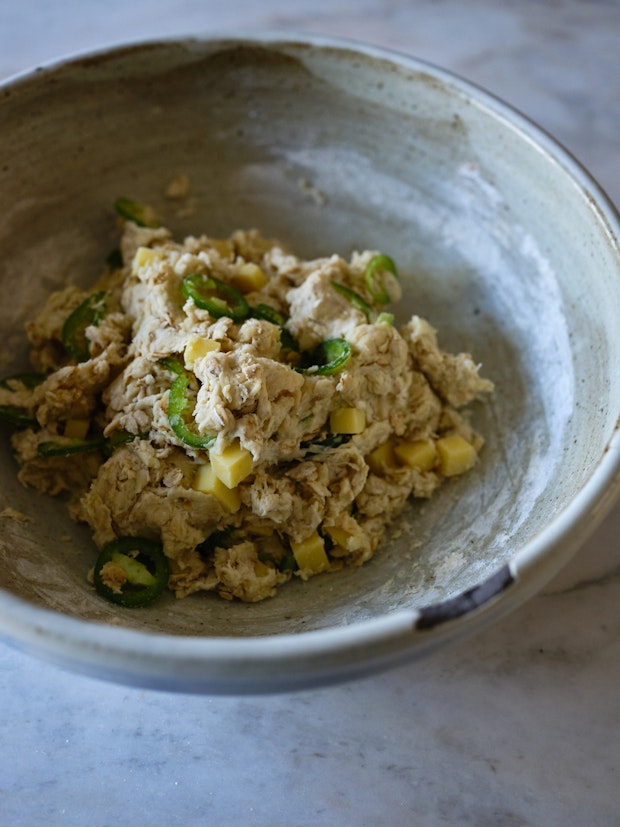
[305, 471]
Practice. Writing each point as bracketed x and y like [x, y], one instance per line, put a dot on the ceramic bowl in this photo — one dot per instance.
[504, 243]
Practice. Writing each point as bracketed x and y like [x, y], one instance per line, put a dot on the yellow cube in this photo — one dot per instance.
[310, 553]
[417, 453]
[382, 459]
[261, 569]
[249, 277]
[232, 465]
[456, 455]
[77, 428]
[347, 421]
[143, 256]
[344, 538]
[206, 481]
[198, 348]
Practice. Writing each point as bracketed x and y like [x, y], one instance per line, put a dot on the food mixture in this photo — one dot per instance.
[226, 416]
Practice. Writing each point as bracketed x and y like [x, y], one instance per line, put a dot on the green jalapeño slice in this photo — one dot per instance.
[178, 406]
[215, 296]
[141, 214]
[375, 283]
[328, 358]
[90, 312]
[131, 571]
[353, 298]
[14, 415]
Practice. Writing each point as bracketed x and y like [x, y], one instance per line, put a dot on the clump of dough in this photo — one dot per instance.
[307, 499]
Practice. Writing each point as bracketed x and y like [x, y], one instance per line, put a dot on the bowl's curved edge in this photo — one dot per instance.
[244, 666]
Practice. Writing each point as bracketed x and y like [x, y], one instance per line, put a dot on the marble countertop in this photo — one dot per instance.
[516, 726]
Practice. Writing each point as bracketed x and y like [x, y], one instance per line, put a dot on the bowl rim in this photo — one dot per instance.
[284, 661]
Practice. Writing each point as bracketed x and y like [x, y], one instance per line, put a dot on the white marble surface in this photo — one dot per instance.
[517, 726]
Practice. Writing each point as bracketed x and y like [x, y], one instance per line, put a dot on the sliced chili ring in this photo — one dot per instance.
[287, 563]
[172, 364]
[177, 405]
[18, 418]
[118, 438]
[224, 538]
[330, 441]
[215, 296]
[51, 448]
[353, 298]
[328, 358]
[73, 334]
[28, 379]
[288, 341]
[15, 415]
[131, 571]
[385, 318]
[269, 314]
[374, 283]
[140, 214]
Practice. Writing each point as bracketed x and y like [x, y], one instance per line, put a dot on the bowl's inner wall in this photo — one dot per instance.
[497, 247]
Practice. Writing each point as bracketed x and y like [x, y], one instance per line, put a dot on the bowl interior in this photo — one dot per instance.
[330, 150]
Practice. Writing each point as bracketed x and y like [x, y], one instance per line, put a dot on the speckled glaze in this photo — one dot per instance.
[503, 242]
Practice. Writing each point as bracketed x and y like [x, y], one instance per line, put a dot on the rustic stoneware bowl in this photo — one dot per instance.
[503, 242]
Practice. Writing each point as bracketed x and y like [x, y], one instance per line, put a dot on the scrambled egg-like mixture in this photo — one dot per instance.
[259, 415]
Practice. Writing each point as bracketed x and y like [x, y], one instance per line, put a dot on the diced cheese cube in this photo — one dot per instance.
[143, 256]
[77, 428]
[456, 455]
[232, 465]
[198, 348]
[347, 421]
[344, 538]
[261, 569]
[382, 459]
[418, 453]
[249, 277]
[310, 553]
[207, 482]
